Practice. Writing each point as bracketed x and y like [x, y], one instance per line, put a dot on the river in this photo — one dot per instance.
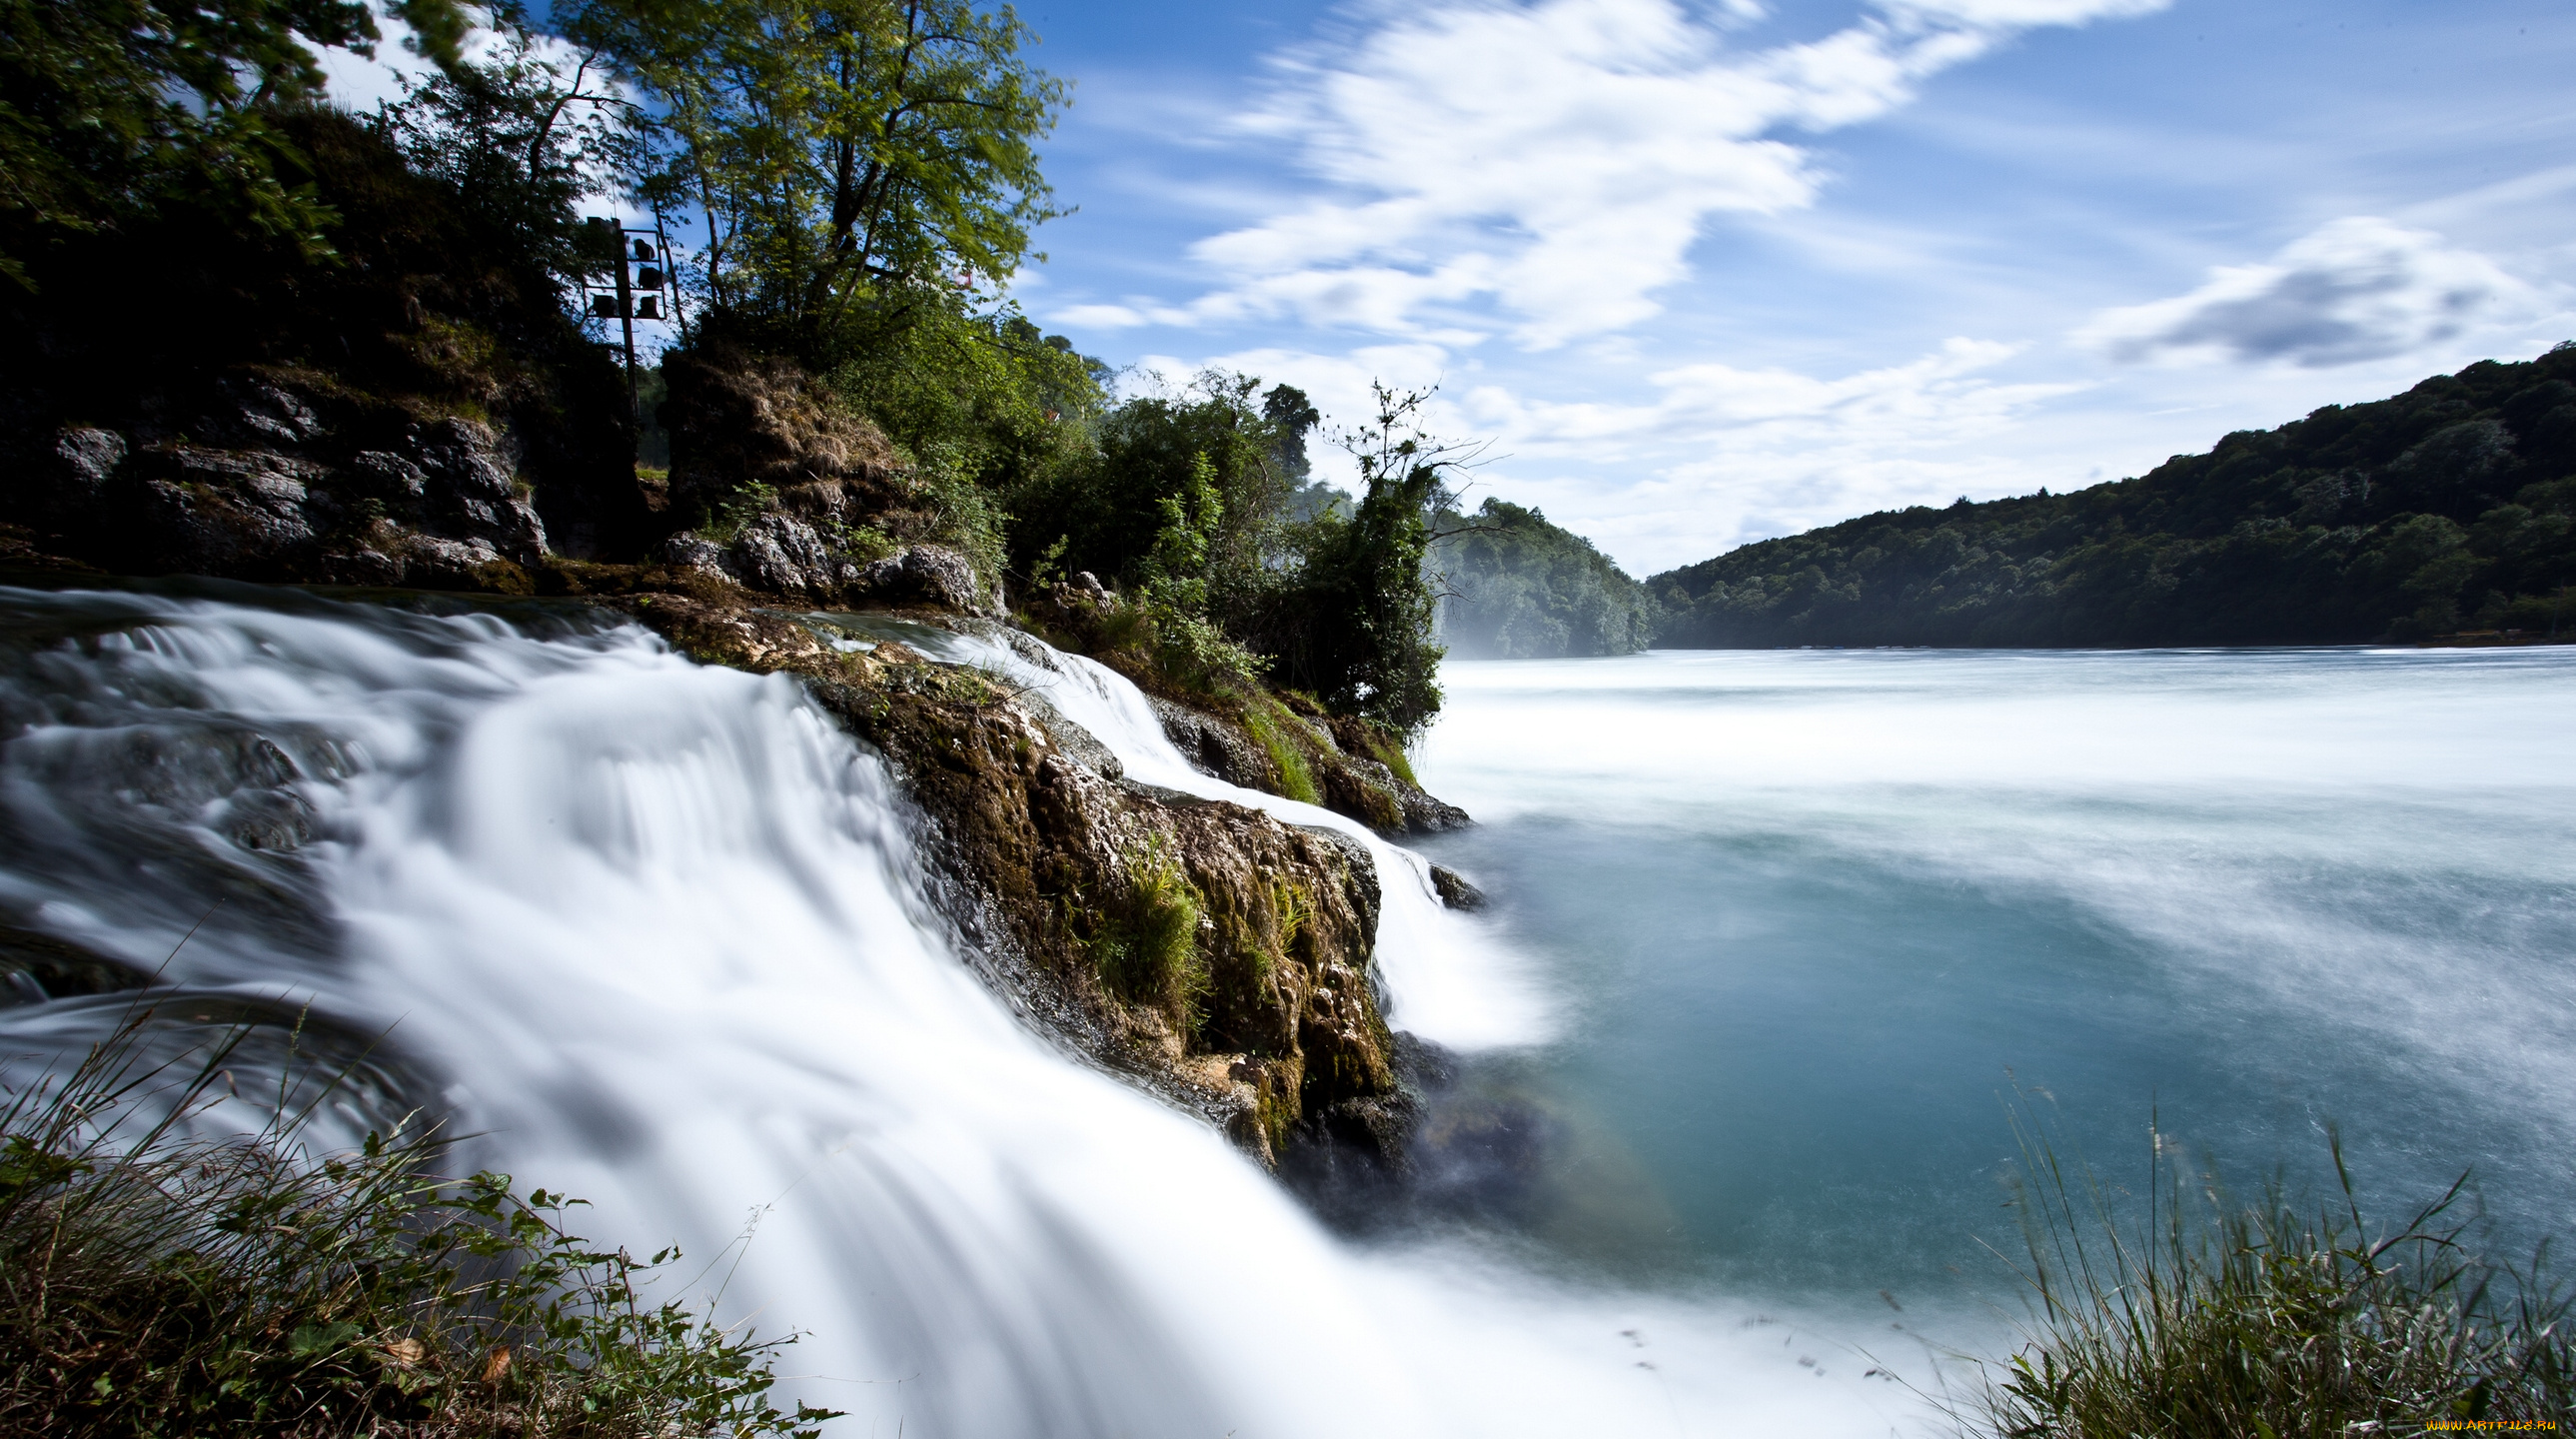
[1813, 920]
[1771, 934]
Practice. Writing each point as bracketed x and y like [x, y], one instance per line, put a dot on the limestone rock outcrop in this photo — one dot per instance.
[1057, 871]
[267, 489]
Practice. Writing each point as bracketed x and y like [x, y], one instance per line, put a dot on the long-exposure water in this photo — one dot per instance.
[1812, 919]
[1771, 935]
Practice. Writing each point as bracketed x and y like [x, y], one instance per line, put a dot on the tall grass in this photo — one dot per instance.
[160, 1276]
[2204, 1317]
[1148, 951]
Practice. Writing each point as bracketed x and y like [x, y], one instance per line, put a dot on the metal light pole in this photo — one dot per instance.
[640, 262]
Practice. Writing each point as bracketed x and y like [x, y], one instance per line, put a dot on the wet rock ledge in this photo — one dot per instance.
[1205, 949]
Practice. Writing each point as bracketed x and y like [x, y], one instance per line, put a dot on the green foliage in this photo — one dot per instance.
[117, 110]
[1270, 724]
[1232, 569]
[159, 1281]
[1516, 587]
[1353, 624]
[981, 387]
[2449, 505]
[835, 149]
[1148, 952]
[513, 135]
[958, 512]
[1154, 640]
[2203, 1317]
[1108, 506]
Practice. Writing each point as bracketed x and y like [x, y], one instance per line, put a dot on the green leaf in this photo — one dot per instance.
[309, 1340]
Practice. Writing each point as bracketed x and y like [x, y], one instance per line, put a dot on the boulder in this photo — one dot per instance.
[932, 575]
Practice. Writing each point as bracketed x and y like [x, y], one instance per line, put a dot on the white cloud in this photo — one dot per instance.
[1939, 399]
[1718, 456]
[1555, 161]
[2354, 290]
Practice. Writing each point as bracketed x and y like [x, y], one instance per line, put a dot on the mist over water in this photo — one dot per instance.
[1812, 916]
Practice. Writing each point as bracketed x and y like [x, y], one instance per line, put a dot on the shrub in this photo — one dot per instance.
[156, 1281]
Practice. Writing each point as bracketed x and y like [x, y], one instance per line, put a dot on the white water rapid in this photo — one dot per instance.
[657, 933]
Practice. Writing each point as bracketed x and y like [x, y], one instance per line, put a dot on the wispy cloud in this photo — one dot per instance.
[1718, 455]
[1543, 169]
[2354, 290]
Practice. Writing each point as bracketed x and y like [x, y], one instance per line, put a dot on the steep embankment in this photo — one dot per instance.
[1205, 949]
[2452, 505]
[418, 413]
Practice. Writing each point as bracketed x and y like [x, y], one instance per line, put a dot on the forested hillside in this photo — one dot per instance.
[2450, 506]
[1514, 587]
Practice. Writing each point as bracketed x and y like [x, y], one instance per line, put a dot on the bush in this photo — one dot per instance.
[154, 1281]
[2264, 1320]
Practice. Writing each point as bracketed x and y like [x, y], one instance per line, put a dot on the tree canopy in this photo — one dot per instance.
[838, 150]
[114, 110]
[2452, 504]
[1513, 586]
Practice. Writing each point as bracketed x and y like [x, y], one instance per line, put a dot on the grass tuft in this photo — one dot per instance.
[155, 1281]
[1270, 723]
[2207, 1317]
[1149, 953]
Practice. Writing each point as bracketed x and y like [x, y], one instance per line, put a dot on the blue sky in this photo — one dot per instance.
[1709, 273]
[1703, 273]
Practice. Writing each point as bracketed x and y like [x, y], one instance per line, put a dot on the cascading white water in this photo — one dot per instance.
[658, 934]
[1447, 980]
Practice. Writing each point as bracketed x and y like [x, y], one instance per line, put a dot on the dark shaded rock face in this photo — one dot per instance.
[1454, 889]
[1448, 1143]
[739, 419]
[1215, 748]
[36, 969]
[783, 555]
[233, 368]
[277, 491]
[1040, 857]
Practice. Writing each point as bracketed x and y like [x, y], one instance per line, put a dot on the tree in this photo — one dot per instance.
[520, 136]
[1106, 508]
[840, 150]
[116, 109]
[1355, 628]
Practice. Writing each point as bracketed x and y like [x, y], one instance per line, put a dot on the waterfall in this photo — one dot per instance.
[656, 934]
[1447, 979]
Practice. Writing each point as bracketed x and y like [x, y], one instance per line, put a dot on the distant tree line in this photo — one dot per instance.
[1513, 586]
[2450, 506]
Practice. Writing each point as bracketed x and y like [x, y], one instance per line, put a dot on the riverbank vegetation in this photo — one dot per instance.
[2209, 1316]
[855, 183]
[162, 1271]
[2449, 507]
[1513, 587]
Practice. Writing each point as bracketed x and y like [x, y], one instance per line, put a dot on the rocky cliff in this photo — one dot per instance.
[1208, 950]
[1205, 950]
